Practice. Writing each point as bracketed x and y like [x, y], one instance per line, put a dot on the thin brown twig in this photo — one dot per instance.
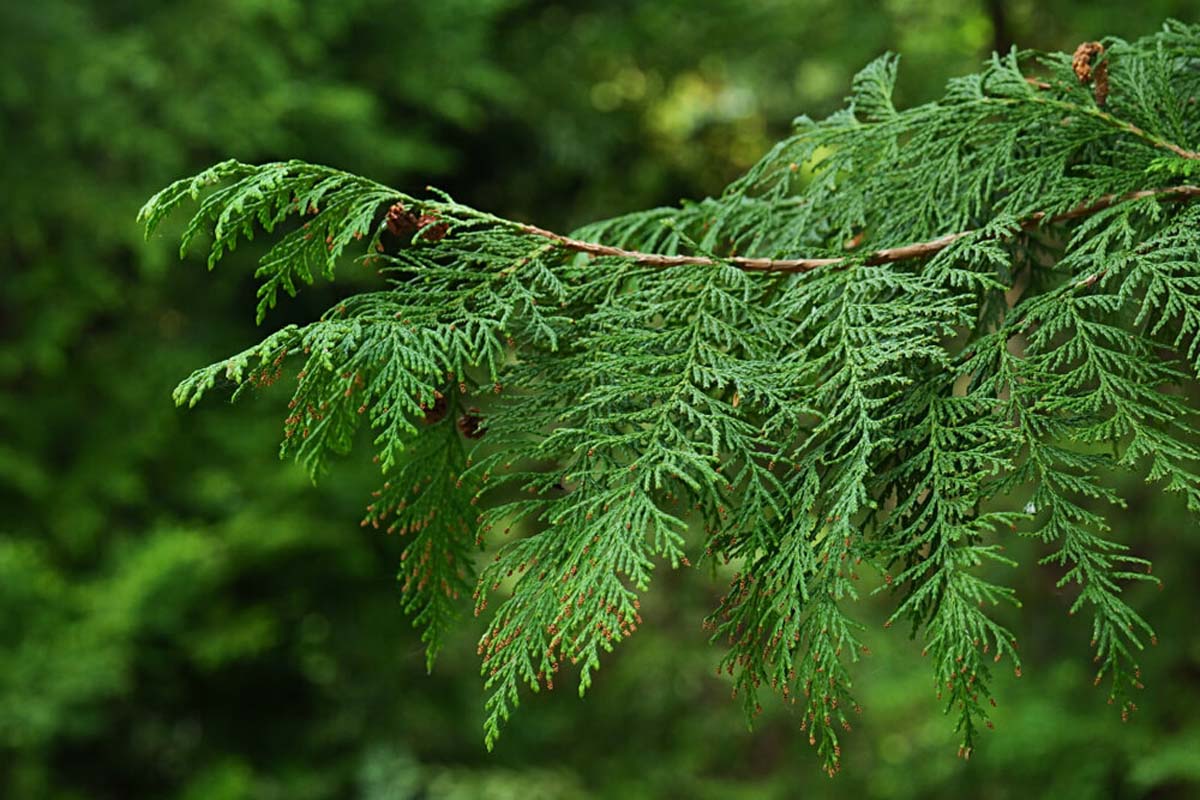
[885, 256]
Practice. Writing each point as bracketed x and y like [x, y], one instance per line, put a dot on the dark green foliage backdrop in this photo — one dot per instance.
[183, 616]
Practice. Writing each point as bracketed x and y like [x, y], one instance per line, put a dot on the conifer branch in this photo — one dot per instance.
[888, 255]
[817, 428]
[1119, 124]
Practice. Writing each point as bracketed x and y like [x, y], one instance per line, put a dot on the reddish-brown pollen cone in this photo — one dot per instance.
[431, 229]
[400, 221]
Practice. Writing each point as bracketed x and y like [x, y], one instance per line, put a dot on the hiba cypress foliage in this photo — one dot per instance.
[901, 338]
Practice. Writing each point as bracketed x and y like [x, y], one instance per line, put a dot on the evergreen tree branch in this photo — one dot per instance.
[1111, 120]
[918, 250]
[668, 372]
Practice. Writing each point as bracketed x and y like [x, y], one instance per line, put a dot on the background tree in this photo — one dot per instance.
[184, 616]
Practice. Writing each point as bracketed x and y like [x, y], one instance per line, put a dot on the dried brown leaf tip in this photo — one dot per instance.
[1088, 71]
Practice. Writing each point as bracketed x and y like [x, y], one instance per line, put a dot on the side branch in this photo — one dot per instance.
[886, 256]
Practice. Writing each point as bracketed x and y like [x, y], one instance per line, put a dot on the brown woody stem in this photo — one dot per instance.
[885, 256]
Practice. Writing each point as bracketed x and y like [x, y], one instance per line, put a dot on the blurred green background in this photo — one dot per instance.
[184, 616]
